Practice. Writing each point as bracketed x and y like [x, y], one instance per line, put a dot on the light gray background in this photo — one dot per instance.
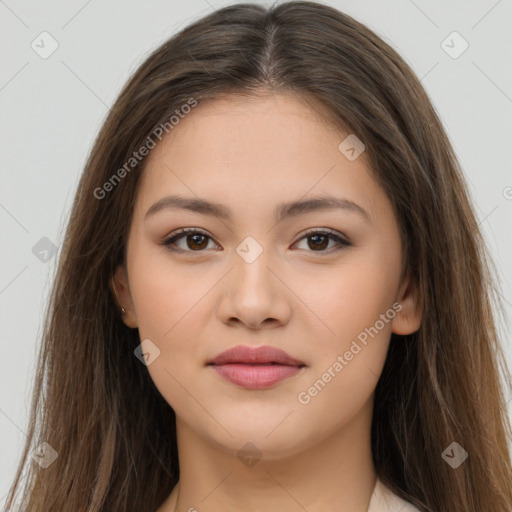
[52, 108]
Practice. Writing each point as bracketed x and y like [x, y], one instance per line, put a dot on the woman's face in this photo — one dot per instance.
[257, 275]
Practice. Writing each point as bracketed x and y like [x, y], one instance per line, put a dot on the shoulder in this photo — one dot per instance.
[384, 500]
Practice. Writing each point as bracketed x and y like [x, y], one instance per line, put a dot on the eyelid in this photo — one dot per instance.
[341, 240]
[182, 232]
[322, 231]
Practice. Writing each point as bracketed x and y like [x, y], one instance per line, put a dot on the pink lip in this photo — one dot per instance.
[255, 368]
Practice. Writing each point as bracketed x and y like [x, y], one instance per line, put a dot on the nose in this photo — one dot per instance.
[255, 294]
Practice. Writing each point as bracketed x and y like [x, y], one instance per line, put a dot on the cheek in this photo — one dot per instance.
[350, 297]
[164, 294]
[342, 388]
[356, 304]
[170, 313]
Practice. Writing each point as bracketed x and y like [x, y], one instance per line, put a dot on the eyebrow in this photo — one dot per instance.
[284, 210]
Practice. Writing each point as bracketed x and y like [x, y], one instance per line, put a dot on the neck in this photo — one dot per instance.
[334, 475]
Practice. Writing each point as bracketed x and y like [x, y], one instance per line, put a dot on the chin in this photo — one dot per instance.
[263, 439]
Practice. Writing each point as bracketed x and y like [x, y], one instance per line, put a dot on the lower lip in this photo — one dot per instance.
[256, 376]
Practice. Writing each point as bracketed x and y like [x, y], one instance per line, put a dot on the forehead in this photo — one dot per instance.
[254, 149]
[239, 122]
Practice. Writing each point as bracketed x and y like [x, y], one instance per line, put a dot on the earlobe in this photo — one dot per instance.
[408, 317]
[121, 292]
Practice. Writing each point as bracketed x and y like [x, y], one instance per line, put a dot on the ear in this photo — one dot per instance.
[121, 292]
[408, 318]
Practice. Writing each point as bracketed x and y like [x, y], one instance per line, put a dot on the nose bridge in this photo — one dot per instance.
[252, 262]
[252, 292]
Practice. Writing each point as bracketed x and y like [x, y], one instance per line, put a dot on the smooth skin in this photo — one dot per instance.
[307, 295]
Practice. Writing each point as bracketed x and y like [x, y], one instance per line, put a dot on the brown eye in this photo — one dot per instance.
[194, 240]
[197, 241]
[318, 241]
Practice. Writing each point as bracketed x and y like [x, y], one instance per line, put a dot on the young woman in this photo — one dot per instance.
[273, 293]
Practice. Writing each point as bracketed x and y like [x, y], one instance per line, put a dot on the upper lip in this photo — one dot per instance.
[265, 354]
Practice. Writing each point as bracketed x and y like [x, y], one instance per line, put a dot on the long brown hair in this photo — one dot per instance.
[95, 403]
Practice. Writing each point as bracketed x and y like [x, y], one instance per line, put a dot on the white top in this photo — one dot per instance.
[384, 500]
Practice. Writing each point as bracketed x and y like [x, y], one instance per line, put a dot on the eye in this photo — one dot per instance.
[318, 240]
[195, 240]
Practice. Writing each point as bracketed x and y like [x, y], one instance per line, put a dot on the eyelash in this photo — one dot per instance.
[182, 232]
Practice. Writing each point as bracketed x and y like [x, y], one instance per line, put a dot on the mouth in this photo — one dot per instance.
[255, 368]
